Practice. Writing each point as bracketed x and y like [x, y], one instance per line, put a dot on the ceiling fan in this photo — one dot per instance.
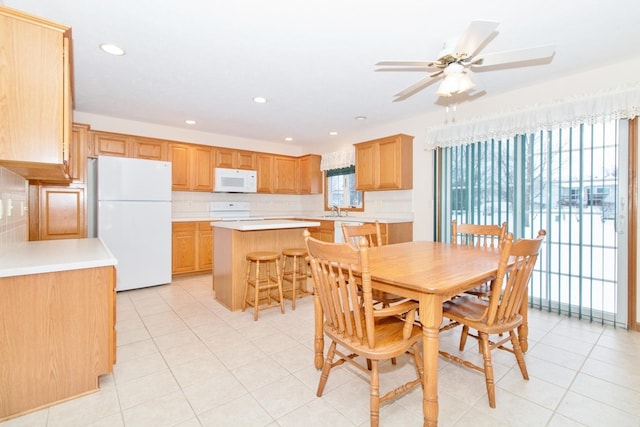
[460, 55]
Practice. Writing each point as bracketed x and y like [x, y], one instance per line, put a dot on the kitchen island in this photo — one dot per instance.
[234, 239]
[57, 321]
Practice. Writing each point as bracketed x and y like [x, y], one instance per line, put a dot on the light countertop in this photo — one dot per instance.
[267, 224]
[46, 256]
[305, 217]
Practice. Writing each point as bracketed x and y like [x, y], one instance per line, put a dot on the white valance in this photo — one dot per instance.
[338, 159]
[620, 103]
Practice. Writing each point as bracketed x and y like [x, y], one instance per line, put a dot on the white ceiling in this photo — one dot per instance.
[314, 60]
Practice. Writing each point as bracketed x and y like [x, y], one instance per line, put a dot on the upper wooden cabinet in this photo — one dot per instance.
[235, 159]
[110, 144]
[36, 100]
[385, 163]
[78, 152]
[309, 174]
[122, 145]
[192, 167]
[285, 174]
[150, 148]
[264, 168]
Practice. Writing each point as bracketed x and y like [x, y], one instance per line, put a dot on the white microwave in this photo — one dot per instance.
[235, 181]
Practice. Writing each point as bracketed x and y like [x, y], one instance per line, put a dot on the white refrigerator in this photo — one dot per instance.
[134, 218]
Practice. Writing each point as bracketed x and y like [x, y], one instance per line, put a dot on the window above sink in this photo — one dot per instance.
[340, 192]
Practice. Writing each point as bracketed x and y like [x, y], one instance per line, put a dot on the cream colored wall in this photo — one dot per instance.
[13, 216]
[112, 124]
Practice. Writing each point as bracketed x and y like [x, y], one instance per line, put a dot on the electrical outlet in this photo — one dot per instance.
[190, 203]
[9, 207]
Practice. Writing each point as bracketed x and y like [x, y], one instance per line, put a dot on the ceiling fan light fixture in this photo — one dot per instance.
[454, 82]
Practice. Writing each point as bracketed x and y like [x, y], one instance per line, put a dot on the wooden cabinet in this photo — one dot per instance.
[110, 144]
[36, 101]
[58, 334]
[235, 159]
[396, 232]
[385, 163]
[191, 166]
[150, 148]
[309, 174]
[78, 152]
[324, 232]
[192, 247]
[285, 173]
[123, 145]
[60, 213]
[264, 169]
[289, 175]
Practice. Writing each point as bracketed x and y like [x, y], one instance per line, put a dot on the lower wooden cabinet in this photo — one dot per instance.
[58, 336]
[191, 247]
[395, 232]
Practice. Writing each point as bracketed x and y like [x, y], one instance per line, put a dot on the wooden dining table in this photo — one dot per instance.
[430, 273]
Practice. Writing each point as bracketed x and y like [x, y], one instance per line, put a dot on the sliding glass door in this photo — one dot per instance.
[566, 181]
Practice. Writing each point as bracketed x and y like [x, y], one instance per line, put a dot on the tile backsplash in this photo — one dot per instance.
[380, 204]
[13, 213]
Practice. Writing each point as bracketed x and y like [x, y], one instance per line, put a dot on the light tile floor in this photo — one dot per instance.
[185, 360]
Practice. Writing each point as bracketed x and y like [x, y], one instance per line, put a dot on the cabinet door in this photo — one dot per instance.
[183, 244]
[201, 168]
[225, 158]
[310, 175]
[148, 148]
[389, 164]
[110, 144]
[366, 166]
[35, 125]
[78, 152]
[62, 213]
[246, 160]
[180, 167]
[285, 174]
[264, 163]
[205, 246]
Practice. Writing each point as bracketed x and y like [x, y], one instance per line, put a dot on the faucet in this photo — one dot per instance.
[338, 208]
[333, 210]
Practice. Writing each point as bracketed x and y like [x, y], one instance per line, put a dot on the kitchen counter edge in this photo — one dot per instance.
[48, 256]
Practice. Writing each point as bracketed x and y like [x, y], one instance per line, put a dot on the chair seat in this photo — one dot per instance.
[294, 251]
[467, 307]
[262, 256]
[388, 336]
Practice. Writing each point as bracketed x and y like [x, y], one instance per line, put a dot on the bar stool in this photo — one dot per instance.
[295, 271]
[261, 278]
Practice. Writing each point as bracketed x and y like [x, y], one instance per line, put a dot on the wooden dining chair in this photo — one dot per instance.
[480, 235]
[500, 314]
[352, 323]
[371, 231]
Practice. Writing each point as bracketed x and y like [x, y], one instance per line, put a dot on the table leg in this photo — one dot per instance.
[431, 318]
[318, 342]
[523, 330]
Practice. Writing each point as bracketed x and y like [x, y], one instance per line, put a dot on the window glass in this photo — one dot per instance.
[340, 190]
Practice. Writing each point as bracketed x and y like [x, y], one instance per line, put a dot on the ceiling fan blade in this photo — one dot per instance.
[473, 37]
[407, 63]
[415, 88]
[421, 69]
[511, 56]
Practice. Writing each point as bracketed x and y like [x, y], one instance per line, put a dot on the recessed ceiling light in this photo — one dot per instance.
[288, 139]
[190, 122]
[112, 49]
[260, 99]
[360, 118]
[333, 133]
